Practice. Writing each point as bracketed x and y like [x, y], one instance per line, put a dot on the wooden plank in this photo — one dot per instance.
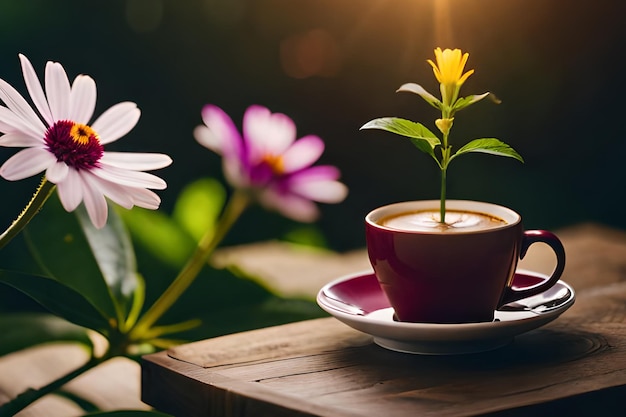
[324, 368]
[566, 358]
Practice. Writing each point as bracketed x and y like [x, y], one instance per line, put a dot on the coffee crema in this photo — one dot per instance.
[428, 221]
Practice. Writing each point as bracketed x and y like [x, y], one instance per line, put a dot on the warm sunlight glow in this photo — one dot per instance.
[442, 23]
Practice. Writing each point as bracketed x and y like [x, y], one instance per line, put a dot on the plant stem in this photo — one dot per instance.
[35, 204]
[442, 203]
[238, 202]
[445, 160]
[30, 396]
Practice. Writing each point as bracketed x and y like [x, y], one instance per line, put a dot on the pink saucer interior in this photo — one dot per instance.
[364, 291]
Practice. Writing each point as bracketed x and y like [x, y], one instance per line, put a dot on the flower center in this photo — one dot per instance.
[75, 144]
[275, 162]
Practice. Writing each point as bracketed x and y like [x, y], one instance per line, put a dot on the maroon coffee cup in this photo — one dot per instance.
[460, 275]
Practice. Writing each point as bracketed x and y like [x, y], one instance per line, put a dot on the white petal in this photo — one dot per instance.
[302, 153]
[136, 161]
[34, 89]
[116, 121]
[23, 116]
[94, 200]
[20, 140]
[267, 133]
[130, 178]
[57, 172]
[82, 99]
[71, 190]
[145, 198]
[57, 91]
[117, 193]
[26, 163]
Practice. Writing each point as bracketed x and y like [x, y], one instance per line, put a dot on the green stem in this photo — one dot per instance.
[236, 205]
[30, 396]
[442, 203]
[35, 204]
[445, 159]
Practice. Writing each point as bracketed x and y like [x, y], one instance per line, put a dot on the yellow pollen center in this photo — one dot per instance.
[275, 162]
[82, 133]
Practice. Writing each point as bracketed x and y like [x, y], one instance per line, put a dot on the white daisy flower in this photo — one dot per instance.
[61, 142]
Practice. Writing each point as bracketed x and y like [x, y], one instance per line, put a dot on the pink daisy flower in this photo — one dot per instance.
[270, 163]
[60, 141]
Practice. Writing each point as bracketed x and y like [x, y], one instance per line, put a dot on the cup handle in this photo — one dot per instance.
[530, 237]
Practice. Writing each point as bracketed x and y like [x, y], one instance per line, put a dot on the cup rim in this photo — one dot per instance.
[511, 217]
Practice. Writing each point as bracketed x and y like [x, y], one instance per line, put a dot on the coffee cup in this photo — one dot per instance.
[460, 271]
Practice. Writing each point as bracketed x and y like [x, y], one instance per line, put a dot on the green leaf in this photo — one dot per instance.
[112, 248]
[59, 299]
[461, 103]
[160, 236]
[22, 330]
[421, 91]
[198, 206]
[489, 145]
[59, 245]
[422, 138]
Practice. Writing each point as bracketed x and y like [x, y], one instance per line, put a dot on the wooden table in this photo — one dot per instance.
[325, 368]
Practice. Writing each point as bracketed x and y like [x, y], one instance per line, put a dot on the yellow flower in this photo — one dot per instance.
[444, 125]
[449, 72]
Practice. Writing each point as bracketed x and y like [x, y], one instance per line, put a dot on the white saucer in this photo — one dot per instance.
[358, 301]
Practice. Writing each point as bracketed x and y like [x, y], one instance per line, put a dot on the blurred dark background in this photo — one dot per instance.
[332, 65]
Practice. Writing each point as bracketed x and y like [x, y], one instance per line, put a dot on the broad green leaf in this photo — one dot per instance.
[421, 91]
[422, 138]
[466, 101]
[114, 254]
[59, 299]
[22, 330]
[159, 235]
[59, 245]
[489, 145]
[198, 206]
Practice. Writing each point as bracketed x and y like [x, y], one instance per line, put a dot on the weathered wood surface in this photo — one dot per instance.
[325, 368]
[596, 258]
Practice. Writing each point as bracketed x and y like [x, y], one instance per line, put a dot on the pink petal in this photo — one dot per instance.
[318, 172]
[289, 205]
[303, 153]
[19, 140]
[221, 135]
[266, 133]
[116, 121]
[205, 137]
[136, 161]
[82, 99]
[324, 191]
[26, 163]
[57, 172]
[34, 89]
[70, 191]
[130, 178]
[57, 91]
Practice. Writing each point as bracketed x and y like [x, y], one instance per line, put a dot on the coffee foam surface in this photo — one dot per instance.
[456, 221]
